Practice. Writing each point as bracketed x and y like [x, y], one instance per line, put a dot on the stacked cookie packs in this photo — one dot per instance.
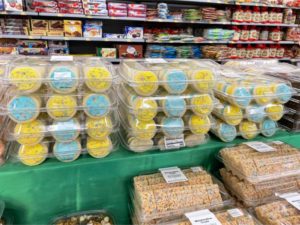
[250, 103]
[165, 104]
[257, 173]
[59, 107]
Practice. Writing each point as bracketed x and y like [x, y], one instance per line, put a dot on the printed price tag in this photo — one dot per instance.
[260, 146]
[293, 198]
[62, 75]
[174, 143]
[235, 212]
[202, 217]
[56, 58]
[173, 175]
[158, 60]
[196, 169]
[277, 142]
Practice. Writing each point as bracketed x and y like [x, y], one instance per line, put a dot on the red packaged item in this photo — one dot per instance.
[237, 14]
[237, 34]
[117, 13]
[46, 10]
[42, 3]
[253, 34]
[256, 16]
[244, 34]
[139, 7]
[130, 51]
[257, 52]
[69, 1]
[279, 16]
[273, 16]
[264, 15]
[280, 51]
[120, 6]
[275, 34]
[241, 52]
[265, 52]
[70, 5]
[233, 52]
[94, 6]
[96, 12]
[273, 51]
[137, 14]
[250, 52]
[71, 11]
[248, 15]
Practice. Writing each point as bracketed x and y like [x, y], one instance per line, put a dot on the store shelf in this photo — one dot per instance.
[223, 42]
[265, 24]
[25, 13]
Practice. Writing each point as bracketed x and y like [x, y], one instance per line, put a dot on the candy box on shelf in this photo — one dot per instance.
[130, 51]
[117, 13]
[13, 5]
[119, 6]
[46, 10]
[73, 28]
[134, 32]
[107, 52]
[71, 10]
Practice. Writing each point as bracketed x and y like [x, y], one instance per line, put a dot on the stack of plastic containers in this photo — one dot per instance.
[255, 171]
[250, 104]
[156, 201]
[165, 104]
[58, 108]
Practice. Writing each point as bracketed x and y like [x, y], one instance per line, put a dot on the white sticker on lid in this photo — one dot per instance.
[62, 75]
[59, 58]
[173, 175]
[174, 143]
[202, 217]
[156, 60]
[235, 212]
[293, 198]
[277, 142]
[260, 146]
[196, 169]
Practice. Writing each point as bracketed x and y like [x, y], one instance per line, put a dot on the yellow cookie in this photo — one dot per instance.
[26, 79]
[144, 109]
[30, 133]
[33, 155]
[142, 129]
[202, 104]
[199, 124]
[203, 80]
[248, 130]
[97, 79]
[61, 107]
[145, 83]
[99, 148]
[262, 94]
[232, 115]
[274, 111]
[99, 128]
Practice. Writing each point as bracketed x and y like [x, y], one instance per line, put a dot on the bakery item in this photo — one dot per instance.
[283, 92]
[202, 80]
[67, 151]
[145, 83]
[174, 106]
[32, 155]
[172, 127]
[268, 127]
[140, 145]
[63, 79]
[96, 105]
[248, 129]
[224, 131]
[99, 148]
[275, 111]
[192, 140]
[99, 128]
[97, 78]
[143, 108]
[237, 95]
[65, 131]
[142, 129]
[24, 108]
[262, 94]
[30, 133]
[61, 107]
[174, 81]
[198, 124]
[255, 113]
[231, 114]
[201, 104]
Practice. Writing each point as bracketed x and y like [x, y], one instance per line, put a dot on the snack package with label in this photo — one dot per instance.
[117, 6]
[16, 5]
[130, 51]
[46, 10]
[95, 6]
[76, 5]
[72, 28]
[71, 10]
[107, 52]
[117, 12]
[43, 3]
[137, 14]
[95, 12]
[137, 7]
[92, 29]
[134, 32]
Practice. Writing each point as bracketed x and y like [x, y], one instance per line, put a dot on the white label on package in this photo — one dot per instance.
[202, 217]
[62, 75]
[196, 169]
[235, 212]
[158, 60]
[260, 146]
[293, 198]
[173, 175]
[59, 58]
[174, 143]
[277, 142]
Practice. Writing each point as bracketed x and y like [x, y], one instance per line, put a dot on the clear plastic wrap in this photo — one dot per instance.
[257, 161]
[145, 76]
[85, 218]
[153, 198]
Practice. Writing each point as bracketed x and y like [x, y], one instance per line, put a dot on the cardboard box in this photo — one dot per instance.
[37, 24]
[56, 25]
[16, 5]
[55, 33]
[38, 32]
[107, 52]
[130, 51]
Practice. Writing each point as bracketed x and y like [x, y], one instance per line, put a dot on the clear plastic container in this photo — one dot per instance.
[85, 217]
[262, 161]
[153, 198]
[146, 108]
[32, 155]
[290, 123]
[255, 194]
[145, 76]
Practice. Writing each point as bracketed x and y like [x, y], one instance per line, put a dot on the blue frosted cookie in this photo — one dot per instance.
[67, 151]
[64, 131]
[175, 81]
[255, 113]
[238, 96]
[63, 79]
[172, 127]
[23, 108]
[174, 106]
[268, 127]
[283, 92]
[96, 105]
[226, 132]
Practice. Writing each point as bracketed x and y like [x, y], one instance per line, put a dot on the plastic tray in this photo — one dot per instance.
[145, 76]
[255, 194]
[253, 166]
[155, 199]
[25, 108]
[146, 108]
[29, 74]
[294, 104]
[33, 155]
[33, 132]
[290, 123]
[83, 218]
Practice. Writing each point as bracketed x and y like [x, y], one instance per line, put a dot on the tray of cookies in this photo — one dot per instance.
[258, 161]
[175, 76]
[154, 197]
[146, 108]
[85, 218]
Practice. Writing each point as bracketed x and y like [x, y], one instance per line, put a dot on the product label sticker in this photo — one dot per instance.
[202, 217]
[260, 146]
[157, 60]
[277, 142]
[62, 75]
[196, 169]
[59, 58]
[293, 198]
[235, 212]
[174, 143]
[173, 175]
